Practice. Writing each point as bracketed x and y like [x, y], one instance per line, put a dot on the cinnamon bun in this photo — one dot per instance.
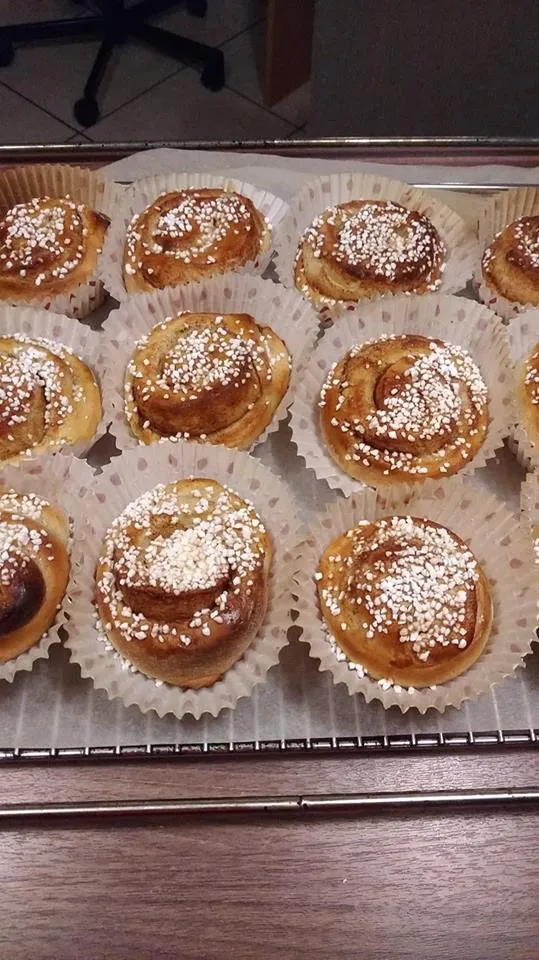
[527, 392]
[367, 248]
[48, 397]
[406, 600]
[207, 376]
[403, 408]
[182, 581]
[510, 265]
[48, 246]
[34, 570]
[191, 234]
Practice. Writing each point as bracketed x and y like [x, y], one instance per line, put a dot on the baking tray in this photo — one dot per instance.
[52, 714]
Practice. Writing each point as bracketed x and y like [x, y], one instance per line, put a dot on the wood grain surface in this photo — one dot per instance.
[443, 885]
[444, 888]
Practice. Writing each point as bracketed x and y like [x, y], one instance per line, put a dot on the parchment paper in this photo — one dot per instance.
[53, 707]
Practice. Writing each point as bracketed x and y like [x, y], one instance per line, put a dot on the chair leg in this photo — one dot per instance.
[86, 109]
[184, 49]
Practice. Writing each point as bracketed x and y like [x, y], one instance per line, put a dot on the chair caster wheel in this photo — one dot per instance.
[7, 53]
[197, 8]
[213, 75]
[86, 112]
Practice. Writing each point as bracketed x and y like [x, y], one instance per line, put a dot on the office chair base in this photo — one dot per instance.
[86, 111]
[114, 26]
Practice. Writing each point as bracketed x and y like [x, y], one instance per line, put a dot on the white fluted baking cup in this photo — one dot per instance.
[50, 478]
[144, 192]
[122, 482]
[498, 212]
[77, 338]
[459, 321]
[268, 303]
[523, 336]
[529, 504]
[500, 543]
[24, 183]
[458, 235]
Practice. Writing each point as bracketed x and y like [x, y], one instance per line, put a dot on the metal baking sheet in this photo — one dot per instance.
[52, 712]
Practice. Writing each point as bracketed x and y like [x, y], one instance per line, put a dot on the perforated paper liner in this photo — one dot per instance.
[499, 542]
[499, 211]
[78, 338]
[50, 479]
[270, 304]
[458, 235]
[529, 504]
[24, 183]
[523, 335]
[144, 192]
[454, 319]
[123, 481]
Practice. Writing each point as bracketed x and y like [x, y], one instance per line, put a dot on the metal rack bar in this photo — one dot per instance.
[311, 804]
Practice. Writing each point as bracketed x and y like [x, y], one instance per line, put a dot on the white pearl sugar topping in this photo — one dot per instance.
[35, 234]
[215, 541]
[428, 404]
[384, 237]
[420, 584]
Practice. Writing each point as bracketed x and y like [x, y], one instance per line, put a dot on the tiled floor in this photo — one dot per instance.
[145, 95]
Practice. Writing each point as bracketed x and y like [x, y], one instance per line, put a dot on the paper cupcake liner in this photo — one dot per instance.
[315, 197]
[502, 209]
[78, 338]
[459, 321]
[144, 192]
[500, 543]
[270, 305]
[529, 504]
[20, 184]
[119, 484]
[523, 335]
[49, 478]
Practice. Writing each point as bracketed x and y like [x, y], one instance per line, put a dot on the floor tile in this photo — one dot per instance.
[22, 122]
[78, 138]
[244, 65]
[63, 70]
[224, 19]
[180, 108]
[26, 11]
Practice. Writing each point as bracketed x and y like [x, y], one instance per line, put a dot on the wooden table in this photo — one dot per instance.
[445, 884]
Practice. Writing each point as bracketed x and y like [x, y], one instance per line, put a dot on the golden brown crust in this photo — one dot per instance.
[405, 598]
[48, 397]
[527, 394]
[511, 263]
[215, 377]
[48, 246]
[188, 235]
[182, 581]
[365, 248]
[34, 570]
[403, 408]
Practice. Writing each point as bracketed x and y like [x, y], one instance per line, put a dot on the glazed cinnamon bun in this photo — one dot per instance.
[403, 408]
[182, 581]
[191, 234]
[510, 265]
[207, 376]
[367, 248]
[48, 246]
[405, 599]
[34, 570]
[48, 397]
[527, 394]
